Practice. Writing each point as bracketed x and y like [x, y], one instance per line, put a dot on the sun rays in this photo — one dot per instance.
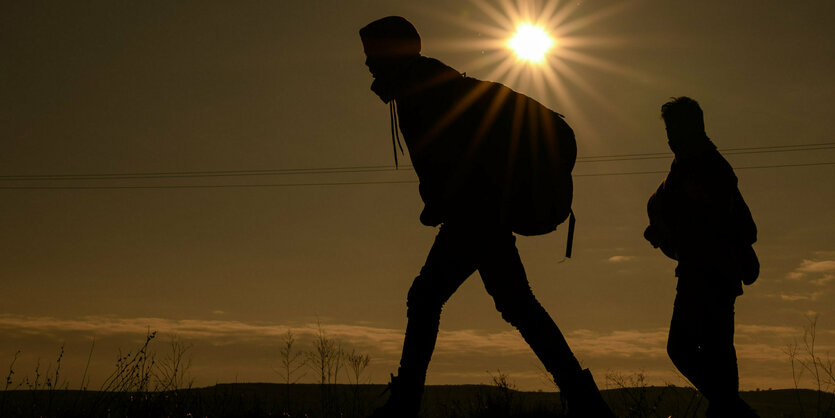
[552, 56]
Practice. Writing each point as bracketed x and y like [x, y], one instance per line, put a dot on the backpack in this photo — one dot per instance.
[531, 153]
[528, 152]
[519, 149]
[746, 264]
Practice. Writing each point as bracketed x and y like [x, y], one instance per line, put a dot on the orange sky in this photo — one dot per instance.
[161, 87]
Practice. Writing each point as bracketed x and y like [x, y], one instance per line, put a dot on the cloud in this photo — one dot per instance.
[218, 332]
[620, 259]
[813, 269]
[460, 341]
[771, 330]
[810, 266]
[627, 343]
[462, 356]
[383, 341]
[754, 342]
[823, 281]
[388, 341]
[809, 281]
[813, 296]
[105, 325]
[222, 332]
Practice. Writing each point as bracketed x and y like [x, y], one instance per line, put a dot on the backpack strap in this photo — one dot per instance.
[570, 240]
[395, 131]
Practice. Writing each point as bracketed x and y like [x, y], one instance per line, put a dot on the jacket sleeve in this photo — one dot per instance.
[659, 232]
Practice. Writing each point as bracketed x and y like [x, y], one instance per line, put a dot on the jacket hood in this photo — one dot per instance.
[420, 74]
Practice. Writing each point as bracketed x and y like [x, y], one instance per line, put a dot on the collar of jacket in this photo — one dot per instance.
[420, 74]
[697, 152]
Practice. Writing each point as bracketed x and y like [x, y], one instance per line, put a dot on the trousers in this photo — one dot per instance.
[459, 250]
[701, 343]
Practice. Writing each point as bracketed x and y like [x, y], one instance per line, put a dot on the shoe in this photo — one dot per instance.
[583, 397]
[403, 401]
[734, 409]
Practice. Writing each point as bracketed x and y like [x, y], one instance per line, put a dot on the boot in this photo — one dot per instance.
[735, 408]
[583, 397]
[403, 402]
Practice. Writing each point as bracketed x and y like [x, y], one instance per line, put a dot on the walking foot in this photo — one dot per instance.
[403, 401]
[584, 399]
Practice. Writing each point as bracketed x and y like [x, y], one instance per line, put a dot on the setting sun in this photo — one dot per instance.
[530, 43]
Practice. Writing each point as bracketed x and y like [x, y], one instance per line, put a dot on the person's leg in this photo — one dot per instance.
[701, 346]
[720, 360]
[504, 278]
[684, 339]
[449, 263]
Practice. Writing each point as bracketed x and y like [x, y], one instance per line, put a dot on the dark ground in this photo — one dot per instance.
[311, 400]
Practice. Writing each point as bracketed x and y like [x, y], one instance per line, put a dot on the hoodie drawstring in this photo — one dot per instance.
[395, 131]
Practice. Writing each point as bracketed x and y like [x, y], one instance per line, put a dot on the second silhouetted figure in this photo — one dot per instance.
[698, 217]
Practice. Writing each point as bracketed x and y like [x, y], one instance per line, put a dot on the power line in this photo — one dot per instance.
[206, 186]
[801, 147]
[188, 174]
[735, 168]
[354, 183]
[378, 168]
[724, 152]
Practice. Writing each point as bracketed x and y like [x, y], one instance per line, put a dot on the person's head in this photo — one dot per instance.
[684, 121]
[388, 40]
[388, 43]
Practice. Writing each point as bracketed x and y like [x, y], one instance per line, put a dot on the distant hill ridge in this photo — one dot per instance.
[442, 401]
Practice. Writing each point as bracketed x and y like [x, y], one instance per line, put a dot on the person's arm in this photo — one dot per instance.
[659, 232]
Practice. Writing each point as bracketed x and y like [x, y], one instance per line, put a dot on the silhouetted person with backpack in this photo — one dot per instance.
[455, 150]
[698, 217]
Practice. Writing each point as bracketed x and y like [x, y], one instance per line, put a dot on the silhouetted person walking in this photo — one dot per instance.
[698, 217]
[450, 154]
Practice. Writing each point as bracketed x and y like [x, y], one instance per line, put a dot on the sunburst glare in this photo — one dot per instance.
[535, 46]
[531, 43]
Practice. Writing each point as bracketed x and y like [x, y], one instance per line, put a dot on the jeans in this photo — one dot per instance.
[701, 343]
[459, 250]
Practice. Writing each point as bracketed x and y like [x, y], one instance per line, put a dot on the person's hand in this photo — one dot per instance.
[661, 237]
[651, 235]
